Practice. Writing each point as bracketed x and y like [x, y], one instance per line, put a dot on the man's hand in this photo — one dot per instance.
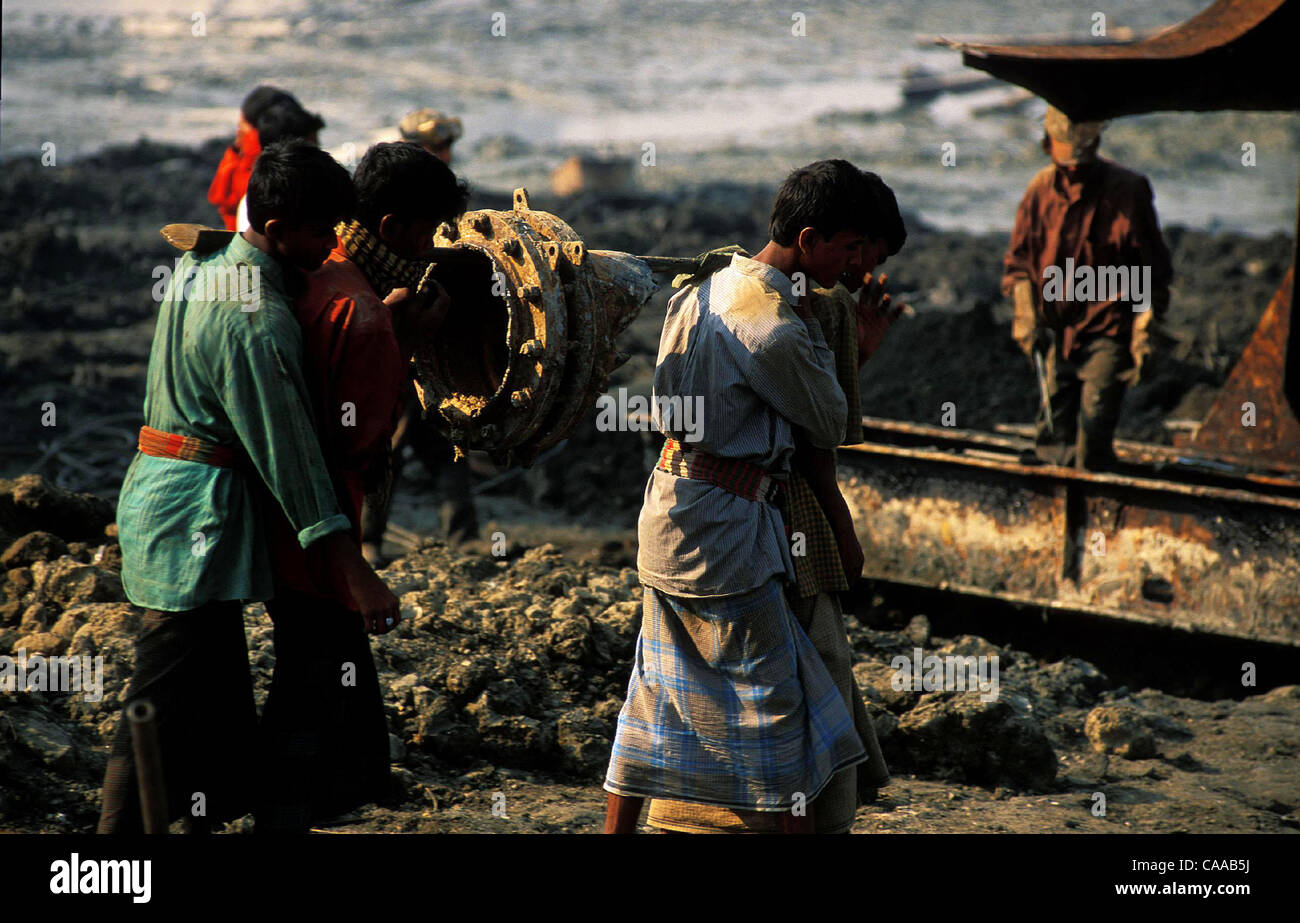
[380, 610]
[1142, 347]
[803, 305]
[417, 316]
[875, 315]
[1024, 320]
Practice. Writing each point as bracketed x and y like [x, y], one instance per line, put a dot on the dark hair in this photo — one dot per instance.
[258, 99]
[299, 184]
[830, 196]
[885, 222]
[285, 119]
[402, 178]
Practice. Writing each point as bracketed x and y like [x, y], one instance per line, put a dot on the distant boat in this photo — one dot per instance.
[921, 85]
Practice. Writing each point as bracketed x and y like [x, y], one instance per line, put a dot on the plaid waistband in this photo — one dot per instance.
[739, 477]
[159, 444]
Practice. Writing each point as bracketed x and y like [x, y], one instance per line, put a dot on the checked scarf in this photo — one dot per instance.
[383, 268]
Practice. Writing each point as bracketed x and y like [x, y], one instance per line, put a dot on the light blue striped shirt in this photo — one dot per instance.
[753, 369]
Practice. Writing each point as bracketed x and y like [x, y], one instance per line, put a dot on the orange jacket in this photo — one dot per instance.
[231, 180]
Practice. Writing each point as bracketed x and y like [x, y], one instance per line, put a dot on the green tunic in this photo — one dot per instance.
[190, 532]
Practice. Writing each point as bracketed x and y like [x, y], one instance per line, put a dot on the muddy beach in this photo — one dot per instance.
[508, 671]
[505, 678]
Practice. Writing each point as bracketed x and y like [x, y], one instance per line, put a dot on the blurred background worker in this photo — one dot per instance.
[282, 119]
[231, 179]
[1085, 211]
[436, 133]
[433, 130]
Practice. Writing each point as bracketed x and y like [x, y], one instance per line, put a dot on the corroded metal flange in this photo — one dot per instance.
[529, 343]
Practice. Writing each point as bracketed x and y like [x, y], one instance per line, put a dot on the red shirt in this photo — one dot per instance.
[231, 180]
[357, 380]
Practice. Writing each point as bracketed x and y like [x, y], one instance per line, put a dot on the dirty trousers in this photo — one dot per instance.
[1085, 393]
[324, 737]
[193, 667]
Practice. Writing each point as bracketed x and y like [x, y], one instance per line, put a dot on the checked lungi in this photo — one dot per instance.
[729, 704]
[814, 599]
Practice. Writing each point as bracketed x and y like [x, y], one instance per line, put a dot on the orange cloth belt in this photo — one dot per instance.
[159, 444]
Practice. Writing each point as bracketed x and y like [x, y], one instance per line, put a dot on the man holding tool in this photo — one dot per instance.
[1088, 219]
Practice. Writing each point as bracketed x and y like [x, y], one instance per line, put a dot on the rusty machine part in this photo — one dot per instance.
[1170, 539]
[1234, 54]
[531, 342]
[1201, 537]
[1257, 381]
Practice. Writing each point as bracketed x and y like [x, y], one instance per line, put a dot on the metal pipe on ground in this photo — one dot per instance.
[148, 765]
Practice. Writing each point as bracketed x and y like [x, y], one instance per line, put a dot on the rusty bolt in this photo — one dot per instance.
[521, 397]
[454, 415]
[531, 348]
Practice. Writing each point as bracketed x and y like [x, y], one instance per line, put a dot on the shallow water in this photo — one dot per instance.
[722, 90]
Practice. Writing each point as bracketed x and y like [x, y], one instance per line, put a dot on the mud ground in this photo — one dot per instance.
[1227, 768]
[503, 683]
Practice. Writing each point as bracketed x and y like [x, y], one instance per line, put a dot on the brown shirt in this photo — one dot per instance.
[1101, 216]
